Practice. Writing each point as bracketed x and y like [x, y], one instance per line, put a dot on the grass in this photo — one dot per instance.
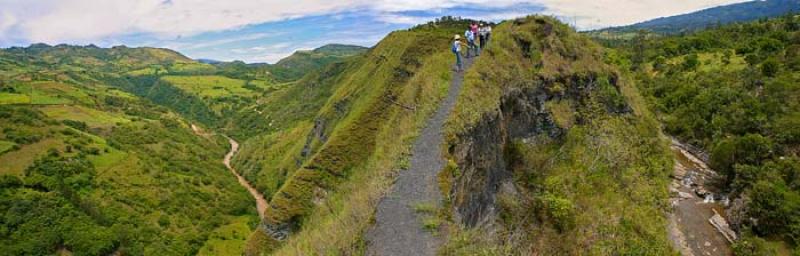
[598, 189]
[90, 116]
[367, 147]
[213, 86]
[13, 98]
[229, 239]
[6, 146]
[15, 162]
[425, 208]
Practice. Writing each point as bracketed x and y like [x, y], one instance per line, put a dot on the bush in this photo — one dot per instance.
[750, 149]
[770, 67]
[753, 246]
[560, 211]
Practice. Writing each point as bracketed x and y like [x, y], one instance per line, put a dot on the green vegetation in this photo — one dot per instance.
[734, 92]
[589, 179]
[212, 87]
[300, 63]
[88, 169]
[354, 138]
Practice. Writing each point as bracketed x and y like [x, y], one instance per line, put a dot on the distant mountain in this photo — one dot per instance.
[300, 62]
[741, 12]
[294, 66]
[209, 61]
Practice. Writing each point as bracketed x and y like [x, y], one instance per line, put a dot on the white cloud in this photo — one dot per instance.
[84, 21]
[602, 13]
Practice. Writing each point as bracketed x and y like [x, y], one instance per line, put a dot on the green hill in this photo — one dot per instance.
[303, 62]
[93, 170]
[325, 173]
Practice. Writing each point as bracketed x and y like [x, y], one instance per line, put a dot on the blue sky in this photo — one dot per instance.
[267, 30]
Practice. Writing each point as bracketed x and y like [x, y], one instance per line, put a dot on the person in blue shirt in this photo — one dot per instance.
[455, 47]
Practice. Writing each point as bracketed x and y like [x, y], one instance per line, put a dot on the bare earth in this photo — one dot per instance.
[398, 228]
[261, 203]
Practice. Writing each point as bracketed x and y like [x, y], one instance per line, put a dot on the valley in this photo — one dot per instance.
[666, 137]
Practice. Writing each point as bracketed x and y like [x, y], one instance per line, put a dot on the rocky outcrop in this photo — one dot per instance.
[481, 153]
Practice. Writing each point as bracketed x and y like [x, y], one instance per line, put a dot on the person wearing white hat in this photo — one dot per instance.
[456, 49]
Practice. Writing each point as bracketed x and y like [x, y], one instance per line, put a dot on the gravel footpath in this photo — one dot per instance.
[398, 228]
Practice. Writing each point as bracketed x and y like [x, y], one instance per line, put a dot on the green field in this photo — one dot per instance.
[229, 239]
[90, 116]
[13, 98]
[215, 86]
[15, 162]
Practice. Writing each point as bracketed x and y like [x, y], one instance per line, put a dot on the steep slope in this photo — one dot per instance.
[552, 152]
[721, 15]
[335, 166]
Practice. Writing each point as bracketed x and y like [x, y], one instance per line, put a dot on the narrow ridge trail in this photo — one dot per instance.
[261, 203]
[398, 228]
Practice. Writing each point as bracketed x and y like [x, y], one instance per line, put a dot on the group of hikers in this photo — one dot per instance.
[477, 37]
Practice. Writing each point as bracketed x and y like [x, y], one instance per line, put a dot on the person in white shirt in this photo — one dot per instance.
[482, 33]
[456, 49]
[471, 46]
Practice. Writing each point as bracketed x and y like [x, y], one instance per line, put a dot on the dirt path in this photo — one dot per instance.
[261, 203]
[398, 228]
[689, 227]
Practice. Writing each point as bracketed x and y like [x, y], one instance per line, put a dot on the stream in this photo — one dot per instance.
[697, 223]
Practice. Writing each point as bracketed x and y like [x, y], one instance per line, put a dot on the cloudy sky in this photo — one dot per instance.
[267, 30]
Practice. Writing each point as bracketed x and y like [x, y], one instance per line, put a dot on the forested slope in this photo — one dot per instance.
[733, 92]
[90, 169]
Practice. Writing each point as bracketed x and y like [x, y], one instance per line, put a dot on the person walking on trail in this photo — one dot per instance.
[456, 49]
[488, 29]
[474, 29]
[471, 51]
[482, 33]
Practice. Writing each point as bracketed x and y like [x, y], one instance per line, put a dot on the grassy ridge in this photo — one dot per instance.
[378, 105]
[592, 181]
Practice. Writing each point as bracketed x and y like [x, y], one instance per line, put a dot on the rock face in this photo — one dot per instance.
[481, 153]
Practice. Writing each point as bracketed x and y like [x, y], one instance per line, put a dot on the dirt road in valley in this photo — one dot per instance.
[261, 203]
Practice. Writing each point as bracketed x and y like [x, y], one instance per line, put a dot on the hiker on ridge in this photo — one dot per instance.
[456, 49]
[471, 47]
[474, 29]
[483, 34]
[488, 29]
